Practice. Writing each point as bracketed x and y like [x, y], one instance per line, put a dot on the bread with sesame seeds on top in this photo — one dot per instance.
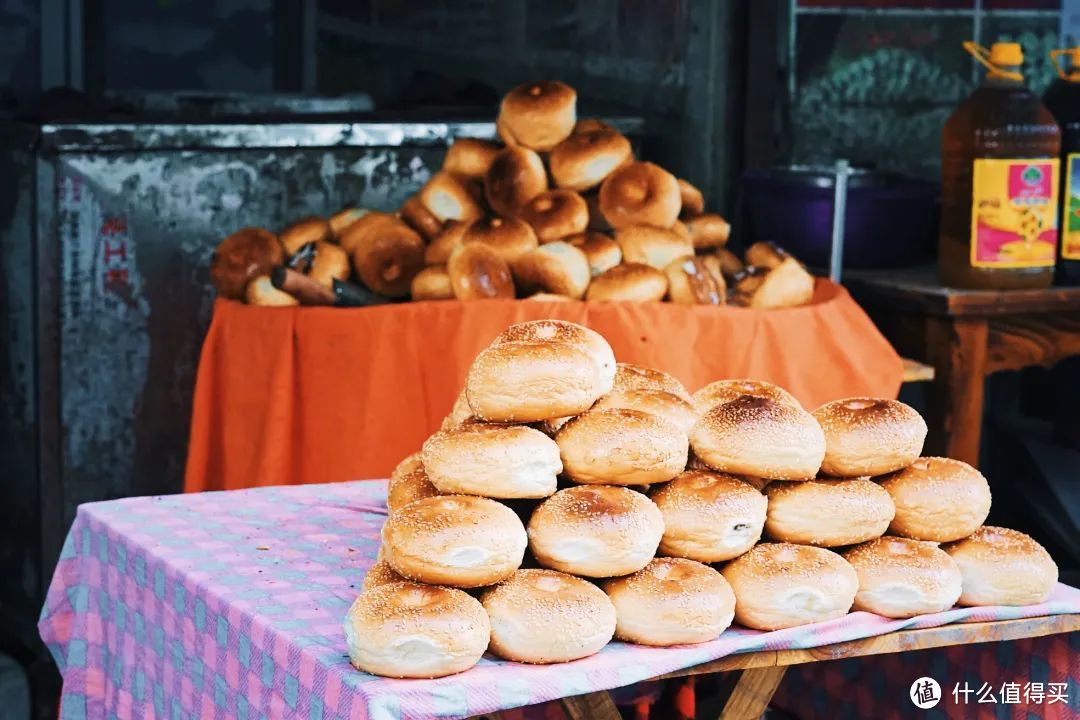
[828, 513]
[901, 578]
[937, 499]
[869, 436]
[1000, 566]
[622, 447]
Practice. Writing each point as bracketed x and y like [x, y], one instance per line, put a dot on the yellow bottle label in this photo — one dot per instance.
[1014, 212]
[1070, 216]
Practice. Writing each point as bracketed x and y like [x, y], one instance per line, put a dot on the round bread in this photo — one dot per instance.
[458, 540]
[331, 263]
[937, 499]
[662, 404]
[261, 292]
[555, 214]
[708, 231]
[828, 513]
[387, 256]
[631, 282]
[680, 229]
[693, 202]
[409, 481]
[342, 220]
[779, 585]
[460, 413]
[509, 237]
[765, 255]
[445, 243]
[621, 447]
[478, 273]
[640, 193]
[869, 436]
[469, 158]
[696, 281]
[242, 256]
[497, 461]
[759, 437]
[602, 252]
[636, 377]
[595, 531]
[303, 232]
[1000, 566]
[416, 215]
[901, 578]
[531, 381]
[724, 391]
[378, 575]
[447, 198]
[515, 177]
[406, 630]
[539, 115]
[558, 268]
[366, 223]
[544, 616]
[708, 516]
[432, 283]
[730, 264]
[671, 601]
[584, 159]
[560, 331]
[652, 246]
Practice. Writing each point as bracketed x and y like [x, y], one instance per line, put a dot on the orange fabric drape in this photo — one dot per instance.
[309, 395]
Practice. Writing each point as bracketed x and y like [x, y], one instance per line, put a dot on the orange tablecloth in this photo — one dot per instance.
[310, 395]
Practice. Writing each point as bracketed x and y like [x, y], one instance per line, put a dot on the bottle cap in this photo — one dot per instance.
[1006, 53]
[1002, 60]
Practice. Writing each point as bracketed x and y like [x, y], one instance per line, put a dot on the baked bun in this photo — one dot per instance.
[828, 513]
[378, 575]
[637, 377]
[651, 402]
[937, 499]
[242, 256]
[406, 630]
[387, 256]
[730, 264]
[671, 601]
[416, 215]
[696, 281]
[342, 220]
[652, 246]
[621, 447]
[261, 292]
[432, 283]
[602, 252]
[724, 391]
[778, 585]
[786, 285]
[693, 202]
[531, 381]
[631, 282]
[680, 229]
[515, 177]
[585, 125]
[901, 578]
[509, 237]
[409, 481]
[708, 516]
[640, 193]
[458, 540]
[445, 243]
[497, 461]
[561, 331]
[469, 158]
[447, 198]
[584, 159]
[329, 264]
[478, 273]
[1000, 566]
[544, 616]
[595, 531]
[367, 222]
[869, 436]
[760, 437]
[708, 231]
[303, 232]
[555, 214]
[765, 255]
[539, 115]
[557, 267]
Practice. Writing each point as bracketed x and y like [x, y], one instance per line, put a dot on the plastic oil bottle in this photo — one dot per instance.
[1062, 99]
[1000, 173]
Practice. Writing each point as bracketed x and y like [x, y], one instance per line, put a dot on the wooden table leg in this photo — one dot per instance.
[752, 693]
[956, 347]
[591, 706]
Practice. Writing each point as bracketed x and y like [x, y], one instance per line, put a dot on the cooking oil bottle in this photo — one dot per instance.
[999, 188]
[1062, 99]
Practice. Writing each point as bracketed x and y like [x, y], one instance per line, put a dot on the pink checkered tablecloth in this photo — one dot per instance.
[229, 605]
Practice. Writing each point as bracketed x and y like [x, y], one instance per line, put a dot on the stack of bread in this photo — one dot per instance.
[560, 209]
[568, 499]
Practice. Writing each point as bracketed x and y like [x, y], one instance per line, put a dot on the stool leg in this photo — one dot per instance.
[752, 693]
[956, 348]
[592, 706]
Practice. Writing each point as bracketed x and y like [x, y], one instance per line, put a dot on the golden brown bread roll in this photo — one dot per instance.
[302, 232]
[419, 218]
[637, 377]
[667, 405]
[378, 575]
[708, 231]
[408, 482]
[696, 281]
[515, 177]
[828, 513]
[445, 243]
[469, 158]
[362, 226]
[621, 447]
[634, 282]
[557, 267]
[495, 461]
[640, 193]
[509, 237]
[602, 252]
[477, 272]
[432, 283]
[693, 202]
[680, 229]
[330, 263]
[447, 198]
[730, 264]
[869, 436]
[584, 159]
[245, 254]
[585, 339]
[724, 391]
[999, 566]
[657, 247]
[901, 578]
[786, 285]
[555, 214]
[937, 499]
[765, 254]
[387, 256]
[538, 115]
[260, 291]
[343, 219]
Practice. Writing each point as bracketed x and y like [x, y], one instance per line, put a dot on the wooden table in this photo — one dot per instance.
[760, 673]
[966, 335]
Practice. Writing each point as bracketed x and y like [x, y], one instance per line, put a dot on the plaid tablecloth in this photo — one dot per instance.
[223, 605]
